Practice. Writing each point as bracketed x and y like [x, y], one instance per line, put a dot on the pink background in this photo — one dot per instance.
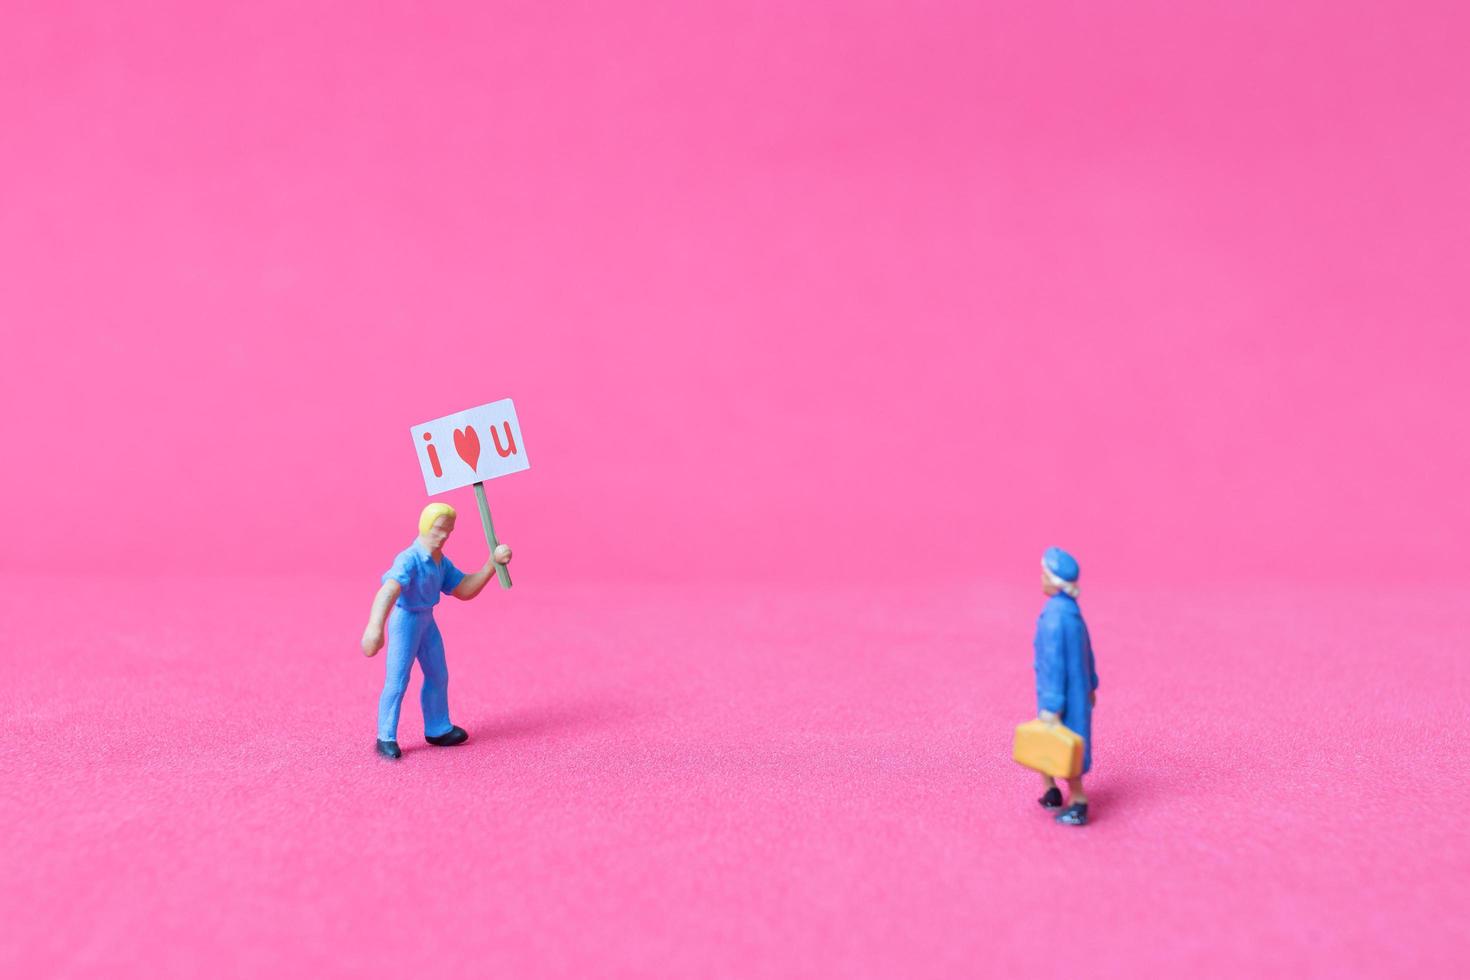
[822, 320]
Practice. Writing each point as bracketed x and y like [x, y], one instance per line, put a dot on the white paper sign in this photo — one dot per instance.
[472, 446]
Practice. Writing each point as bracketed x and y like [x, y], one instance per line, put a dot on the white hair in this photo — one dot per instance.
[1060, 583]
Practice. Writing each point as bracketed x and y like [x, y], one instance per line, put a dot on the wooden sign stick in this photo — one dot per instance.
[500, 569]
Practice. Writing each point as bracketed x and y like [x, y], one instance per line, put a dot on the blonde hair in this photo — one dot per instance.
[431, 514]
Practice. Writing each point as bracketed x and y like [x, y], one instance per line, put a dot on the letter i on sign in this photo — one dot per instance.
[433, 455]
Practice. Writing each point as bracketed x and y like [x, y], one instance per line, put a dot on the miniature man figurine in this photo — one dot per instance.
[419, 574]
[1066, 679]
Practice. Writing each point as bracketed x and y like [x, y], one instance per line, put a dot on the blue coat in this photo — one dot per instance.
[1065, 673]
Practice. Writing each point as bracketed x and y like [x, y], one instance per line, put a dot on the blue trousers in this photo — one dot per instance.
[414, 636]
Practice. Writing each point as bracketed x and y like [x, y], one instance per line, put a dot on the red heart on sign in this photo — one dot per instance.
[467, 444]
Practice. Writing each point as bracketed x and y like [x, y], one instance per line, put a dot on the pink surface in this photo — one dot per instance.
[822, 321]
[690, 782]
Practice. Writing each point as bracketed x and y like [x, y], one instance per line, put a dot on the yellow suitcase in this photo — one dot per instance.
[1053, 750]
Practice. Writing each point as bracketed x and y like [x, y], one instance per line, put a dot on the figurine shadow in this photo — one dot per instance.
[1118, 794]
[547, 720]
[530, 723]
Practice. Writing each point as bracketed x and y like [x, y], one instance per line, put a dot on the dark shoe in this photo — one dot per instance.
[1051, 799]
[454, 736]
[389, 750]
[1074, 815]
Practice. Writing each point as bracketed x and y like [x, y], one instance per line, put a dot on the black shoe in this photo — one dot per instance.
[1051, 799]
[454, 736]
[1074, 815]
[389, 750]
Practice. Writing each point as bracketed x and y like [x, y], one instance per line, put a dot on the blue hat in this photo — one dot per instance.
[1061, 564]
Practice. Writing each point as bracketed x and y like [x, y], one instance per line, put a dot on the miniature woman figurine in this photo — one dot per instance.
[419, 575]
[1066, 678]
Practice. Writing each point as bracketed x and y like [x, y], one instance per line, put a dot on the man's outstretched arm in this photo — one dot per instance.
[471, 584]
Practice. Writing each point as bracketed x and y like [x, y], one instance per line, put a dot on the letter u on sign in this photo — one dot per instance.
[510, 441]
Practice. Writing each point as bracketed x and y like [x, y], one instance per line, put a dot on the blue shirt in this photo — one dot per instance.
[420, 578]
[1066, 674]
